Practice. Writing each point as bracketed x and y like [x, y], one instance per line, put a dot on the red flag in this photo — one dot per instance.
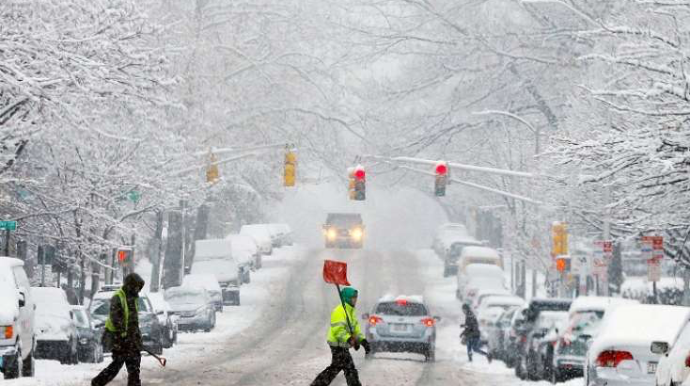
[335, 272]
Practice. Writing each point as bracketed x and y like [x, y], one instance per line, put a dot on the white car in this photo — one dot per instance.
[17, 308]
[214, 257]
[674, 366]
[246, 245]
[210, 284]
[479, 272]
[56, 332]
[621, 354]
[260, 234]
[502, 301]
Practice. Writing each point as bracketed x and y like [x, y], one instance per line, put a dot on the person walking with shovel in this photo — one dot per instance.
[343, 334]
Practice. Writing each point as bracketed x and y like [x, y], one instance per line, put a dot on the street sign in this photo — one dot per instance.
[8, 225]
[652, 249]
[580, 265]
[654, 269]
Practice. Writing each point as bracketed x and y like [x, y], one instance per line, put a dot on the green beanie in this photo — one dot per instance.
[347, 294]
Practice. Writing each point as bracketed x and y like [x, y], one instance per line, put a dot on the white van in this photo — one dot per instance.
[479, 255]
[479, 272]
[17, 308]
[214, 257]
[260, 234]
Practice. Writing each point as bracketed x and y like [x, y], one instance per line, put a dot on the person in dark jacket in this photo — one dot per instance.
[122, 329]
[472, 334]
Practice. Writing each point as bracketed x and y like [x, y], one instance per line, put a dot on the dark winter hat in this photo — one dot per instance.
[347, 294]
[133, 284]
[465, 307]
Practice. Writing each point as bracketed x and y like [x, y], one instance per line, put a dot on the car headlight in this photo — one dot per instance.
[331, 234]
[357, 233]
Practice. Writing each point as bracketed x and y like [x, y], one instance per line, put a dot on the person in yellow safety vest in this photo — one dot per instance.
[343, 335]
[122, 333]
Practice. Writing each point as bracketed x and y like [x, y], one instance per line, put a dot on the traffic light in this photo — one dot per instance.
[290, 168]
[351, 183]
[563, 264]
[559, 238]
[360, 183]
[124, 255]
[441, 179]
[212, 172]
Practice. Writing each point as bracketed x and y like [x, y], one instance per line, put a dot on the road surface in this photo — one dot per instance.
[286, 345]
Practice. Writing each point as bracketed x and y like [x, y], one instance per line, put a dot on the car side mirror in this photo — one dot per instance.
[365, 316]
[22, 299]
[659, 348]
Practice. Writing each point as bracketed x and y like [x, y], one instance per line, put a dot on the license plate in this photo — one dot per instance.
[400, 327]
[651, 367]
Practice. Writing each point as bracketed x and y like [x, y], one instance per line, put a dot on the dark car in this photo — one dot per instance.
[151, 330]
[344, 230]
[450, 260]
[89, 333]
[496, 333]
[513, 338]
[571, 348]
[538, 349]
[524, 326]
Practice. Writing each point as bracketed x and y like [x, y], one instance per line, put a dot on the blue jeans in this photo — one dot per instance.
[473, 345]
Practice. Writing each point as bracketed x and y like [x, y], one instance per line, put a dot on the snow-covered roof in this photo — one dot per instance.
[483, 270]
[493, 301]
[639, 325]
[256, 231]
[207, 281]
[9, 262]
[473, 251]
[493, 291]
[212, 248]
[597, 303]
[223, 269]
[158, 301]
[408, 298]
[50, 299]
[242, 242]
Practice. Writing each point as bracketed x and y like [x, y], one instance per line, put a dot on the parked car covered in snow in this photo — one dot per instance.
[260, 234]
[538, 349]
[151, 329]
[214, 257]
[56, 332]
[497, 333]
[246, 244]
[17, 320]
[674, 365]
[193, 308]
[89, 333]
[210, 284]
[479, 255]
[454, 252]
[490, 275]
[166, 319]
[622, 353]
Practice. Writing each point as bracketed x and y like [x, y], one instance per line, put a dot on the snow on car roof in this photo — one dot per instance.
[213, 248]
[492, 301]
[473, 251]
[639, 325]
[597, 303]
[475, 270]
[493, 291]
[10, 261]
[408, 298]
[206, 281]
[239, 242]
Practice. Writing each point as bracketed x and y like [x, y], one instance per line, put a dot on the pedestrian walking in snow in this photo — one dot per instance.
[343, 334]
[471, 333]
[122, 333]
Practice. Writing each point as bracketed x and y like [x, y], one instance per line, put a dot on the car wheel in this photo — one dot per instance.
[430, 354]
[519, 368]
[29, 366]
[13, 365]
[556, 376]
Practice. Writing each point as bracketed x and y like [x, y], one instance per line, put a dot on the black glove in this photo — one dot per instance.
[356, 345]
[366, 345]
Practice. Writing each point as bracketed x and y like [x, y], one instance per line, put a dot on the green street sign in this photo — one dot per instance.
[8, 225]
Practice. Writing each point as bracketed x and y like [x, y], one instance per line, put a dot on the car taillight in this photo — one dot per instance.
[9, 332]
[523, 339]
[429, 322]
[611, 358]
[687, 361]
[374, 320]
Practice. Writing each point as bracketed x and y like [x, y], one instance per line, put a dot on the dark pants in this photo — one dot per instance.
[131, 361]
[342, 361]
[473, 345]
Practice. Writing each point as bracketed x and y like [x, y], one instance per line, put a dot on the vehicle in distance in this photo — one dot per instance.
[401, 324]
[344, 230]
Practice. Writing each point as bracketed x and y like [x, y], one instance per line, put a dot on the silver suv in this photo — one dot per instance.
[17, 308]
[402, 324]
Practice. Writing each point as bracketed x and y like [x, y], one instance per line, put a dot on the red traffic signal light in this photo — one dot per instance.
[441, 169]
[124, 255]
[360, 174]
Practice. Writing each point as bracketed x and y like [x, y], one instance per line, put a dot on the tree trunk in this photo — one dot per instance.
[156, 253]
[172, 268]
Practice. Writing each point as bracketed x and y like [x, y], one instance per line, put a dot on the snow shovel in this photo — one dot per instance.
[160, 360]
[335, 272]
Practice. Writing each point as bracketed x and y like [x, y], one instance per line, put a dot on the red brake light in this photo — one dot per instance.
[523, 339]
[401, 302]
[429, 322]
[374, 320]
[687, 361]
[612, 358]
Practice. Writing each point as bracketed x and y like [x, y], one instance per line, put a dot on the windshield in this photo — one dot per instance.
[401, 309]
[80, 318]
[549, 320]
[344, 220]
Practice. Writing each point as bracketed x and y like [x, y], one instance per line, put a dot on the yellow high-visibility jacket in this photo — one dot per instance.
[339, 333]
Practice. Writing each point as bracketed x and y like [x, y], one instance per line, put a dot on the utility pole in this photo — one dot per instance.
[537, 150]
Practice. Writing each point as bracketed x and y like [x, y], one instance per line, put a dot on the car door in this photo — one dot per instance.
[26, 313]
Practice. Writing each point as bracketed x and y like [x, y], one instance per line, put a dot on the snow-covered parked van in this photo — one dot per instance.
[214, 257]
